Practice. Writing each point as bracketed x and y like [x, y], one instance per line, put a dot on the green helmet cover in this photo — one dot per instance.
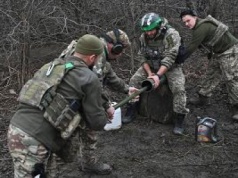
[150, 21]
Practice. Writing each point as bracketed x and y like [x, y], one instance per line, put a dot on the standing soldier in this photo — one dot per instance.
[159, 46]
[50, 108]
[215, 37]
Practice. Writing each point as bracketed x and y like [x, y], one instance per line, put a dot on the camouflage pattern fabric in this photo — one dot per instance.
[25, 151]
[176, 82]
[88, 144]
[212, 79]
[167, 45]
[69, 51]
[228, 67]
[123, 38]
[35, 88]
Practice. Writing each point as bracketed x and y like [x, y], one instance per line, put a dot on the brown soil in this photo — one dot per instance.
[148, 149]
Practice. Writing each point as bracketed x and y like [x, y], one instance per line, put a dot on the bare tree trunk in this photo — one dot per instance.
[25, 53]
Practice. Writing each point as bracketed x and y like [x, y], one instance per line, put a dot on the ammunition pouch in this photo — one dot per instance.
[62, 115]
[153, 57]
[155, 64]
[40, 92]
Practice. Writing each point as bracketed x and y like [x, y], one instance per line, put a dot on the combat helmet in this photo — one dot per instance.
[150, 21]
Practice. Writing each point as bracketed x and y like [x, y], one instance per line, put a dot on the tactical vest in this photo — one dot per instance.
[153, 50]
[40, 92]
[220, 30]
[69, 51]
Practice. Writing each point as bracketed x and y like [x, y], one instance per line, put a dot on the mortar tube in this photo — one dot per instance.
[133, 95]
[147, 88]
[150, 83]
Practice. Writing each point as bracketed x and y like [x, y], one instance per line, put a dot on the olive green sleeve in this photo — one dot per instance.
[199, 36]
[92, 104]
[88, 89]
[105, 100]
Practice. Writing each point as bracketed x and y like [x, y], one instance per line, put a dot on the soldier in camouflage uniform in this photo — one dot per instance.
[61, 100]
[114, 42]
[159, 45]
[215, 37]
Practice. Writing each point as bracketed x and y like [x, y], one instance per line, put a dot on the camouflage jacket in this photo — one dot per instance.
[81, 84]
[165, 44]
[108, 77]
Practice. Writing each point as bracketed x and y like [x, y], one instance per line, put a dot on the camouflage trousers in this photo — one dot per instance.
[26, 151]
[88, 144]
[222, 67]
[176, 82]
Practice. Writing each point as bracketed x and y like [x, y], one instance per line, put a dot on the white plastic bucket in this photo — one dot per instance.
[115, 122]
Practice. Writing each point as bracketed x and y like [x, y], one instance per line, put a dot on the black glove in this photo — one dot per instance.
[181, 55]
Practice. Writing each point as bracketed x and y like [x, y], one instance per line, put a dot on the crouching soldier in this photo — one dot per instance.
[115, 42]
[62, 99]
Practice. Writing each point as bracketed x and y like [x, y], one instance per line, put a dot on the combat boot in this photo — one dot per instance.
[96, 168]
[179, 124]
[199, 100]
[235, 113]
[130, 113]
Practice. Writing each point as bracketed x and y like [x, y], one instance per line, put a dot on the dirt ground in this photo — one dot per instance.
[147, 149]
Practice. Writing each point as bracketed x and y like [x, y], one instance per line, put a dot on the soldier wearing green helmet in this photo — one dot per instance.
[150, 21]
[159, 47]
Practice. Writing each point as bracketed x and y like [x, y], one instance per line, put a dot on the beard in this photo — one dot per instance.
[91, 65]
[151, 37]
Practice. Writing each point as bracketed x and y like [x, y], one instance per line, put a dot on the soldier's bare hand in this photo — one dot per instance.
[132, 90]
[156, 80]
[110, 112]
